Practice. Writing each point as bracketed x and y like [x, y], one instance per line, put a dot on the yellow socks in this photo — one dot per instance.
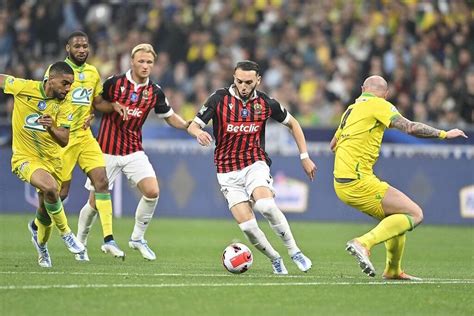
[56, 211]
[391, 226]
[103, 205]
[45, 226]
[395, 247]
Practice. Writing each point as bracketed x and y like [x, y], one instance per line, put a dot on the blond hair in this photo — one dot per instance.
[147, 48]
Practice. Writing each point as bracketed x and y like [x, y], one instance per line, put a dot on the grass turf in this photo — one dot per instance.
[188, 277]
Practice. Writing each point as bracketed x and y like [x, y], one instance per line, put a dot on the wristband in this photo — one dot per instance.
[442, 134]
[304, 155]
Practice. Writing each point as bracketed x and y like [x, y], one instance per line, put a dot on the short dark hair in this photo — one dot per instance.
[248, 65]
[60, 68]
[76, 34]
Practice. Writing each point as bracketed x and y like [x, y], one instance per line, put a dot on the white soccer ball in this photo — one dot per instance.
[237, 258]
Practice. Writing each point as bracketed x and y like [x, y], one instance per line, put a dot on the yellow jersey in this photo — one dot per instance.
[359, 136]
[86, 87]
[30, 102]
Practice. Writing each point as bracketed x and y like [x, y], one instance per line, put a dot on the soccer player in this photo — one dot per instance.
[41, 120]
[83, 148]
[121, 141]
[357, 144]
[239, 115]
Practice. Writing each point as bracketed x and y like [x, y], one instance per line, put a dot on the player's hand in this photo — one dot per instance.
[46, 120]
[309, 167]
[455, 133]
[204, 139]
[87, 123]
[120, 109]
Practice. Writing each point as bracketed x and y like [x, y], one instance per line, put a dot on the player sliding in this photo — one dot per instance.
[239, 114]
[357, 145]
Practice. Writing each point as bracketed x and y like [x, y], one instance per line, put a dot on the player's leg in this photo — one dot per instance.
[258, 183]
[40, 229]
[87, 216]
[103, 202]
[64, 192]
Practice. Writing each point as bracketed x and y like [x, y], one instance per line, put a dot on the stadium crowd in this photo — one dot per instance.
[313, 54]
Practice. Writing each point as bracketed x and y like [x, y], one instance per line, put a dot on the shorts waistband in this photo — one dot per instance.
[344, 180]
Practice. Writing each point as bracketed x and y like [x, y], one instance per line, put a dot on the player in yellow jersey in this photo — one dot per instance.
[357, 144]
[41, 122]
[83, 148]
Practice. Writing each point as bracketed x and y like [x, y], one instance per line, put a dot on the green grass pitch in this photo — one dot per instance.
[189, 279]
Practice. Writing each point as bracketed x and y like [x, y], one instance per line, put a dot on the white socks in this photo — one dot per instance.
[143, 215]
[255, 235]
[268, 208]
[87, 217]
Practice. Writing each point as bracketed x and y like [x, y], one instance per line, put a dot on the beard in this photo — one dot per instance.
[77, 61]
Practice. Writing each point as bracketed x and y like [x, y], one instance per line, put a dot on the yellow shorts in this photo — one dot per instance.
[83, 150]
[24, 167]
[365, 194]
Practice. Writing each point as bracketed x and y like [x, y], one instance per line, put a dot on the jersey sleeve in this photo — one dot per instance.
[14, 85]
[208, 109]
[98, 85]
[385, 112]
[64, 117]
[279, 113]
[162, 107]
[107, 90]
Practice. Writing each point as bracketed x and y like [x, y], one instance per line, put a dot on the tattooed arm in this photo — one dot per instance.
[421, 130]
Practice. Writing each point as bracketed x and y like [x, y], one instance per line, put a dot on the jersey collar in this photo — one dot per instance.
[74, 66]
[235, 95]
[136, 85]
[41, 89]
[367, 94]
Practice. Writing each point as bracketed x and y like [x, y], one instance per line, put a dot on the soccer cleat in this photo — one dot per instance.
[82, 256]
[278, 266]
[362, 256]
[72, 243]
[112, 248]
[44, 259]
[142, 246]
[402, 276]
[302, 262]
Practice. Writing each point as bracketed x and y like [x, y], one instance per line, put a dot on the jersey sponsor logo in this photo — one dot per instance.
[81, 96]
[41, 105]
[31, 122]
[246, 128]
[135, 112]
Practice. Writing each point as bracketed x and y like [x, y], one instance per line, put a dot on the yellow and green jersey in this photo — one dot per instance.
[359, 136]
[85, 88]
[30, 102]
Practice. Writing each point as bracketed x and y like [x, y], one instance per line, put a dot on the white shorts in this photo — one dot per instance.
[238, 186]
[135, 167]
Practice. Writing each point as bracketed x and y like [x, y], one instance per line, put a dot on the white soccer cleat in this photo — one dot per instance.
[112, 248]
[44, 259]
[72, 243]
[142, 246]
[361, 254]
[302, 262]
[278, 266]
[82, 256]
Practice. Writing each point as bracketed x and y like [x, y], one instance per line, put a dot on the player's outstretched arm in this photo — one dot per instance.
[177, 121]
[308, 165]
[102, 105]
[202, 137]
[421, 130]
[333, 144]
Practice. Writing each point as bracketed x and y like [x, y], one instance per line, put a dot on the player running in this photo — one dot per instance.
[41, 120]
[357, 145]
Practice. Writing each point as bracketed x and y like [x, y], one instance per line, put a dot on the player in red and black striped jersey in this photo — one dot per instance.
[121, 140]
[239, 114]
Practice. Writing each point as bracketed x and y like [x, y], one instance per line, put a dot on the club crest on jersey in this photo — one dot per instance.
[145, 94]
[41, 105]
[257, 107]
[134, 97]
[81, 76]
[244, 113]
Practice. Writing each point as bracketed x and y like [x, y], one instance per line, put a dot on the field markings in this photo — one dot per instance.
[246, 284]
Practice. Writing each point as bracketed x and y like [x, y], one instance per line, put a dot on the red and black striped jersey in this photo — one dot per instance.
[118, 137]
[239, 127]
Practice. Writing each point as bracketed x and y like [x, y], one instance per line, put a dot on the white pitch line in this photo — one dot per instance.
[249, 284]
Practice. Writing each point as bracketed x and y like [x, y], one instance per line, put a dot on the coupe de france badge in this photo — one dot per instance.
[244, 113]
[134, 97]
[41, 105]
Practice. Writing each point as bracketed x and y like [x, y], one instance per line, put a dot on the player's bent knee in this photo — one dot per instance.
[151, 193]
[266, 206]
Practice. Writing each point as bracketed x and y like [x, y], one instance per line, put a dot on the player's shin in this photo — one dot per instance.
[143, 215]
[104, 207]
[391, 226]
[395, 247]
[268, 208]
[56, 211]
[44, 225]
[255, 235]
[87, 217]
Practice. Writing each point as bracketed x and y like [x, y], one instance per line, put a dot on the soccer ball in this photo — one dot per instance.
[237, 258]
